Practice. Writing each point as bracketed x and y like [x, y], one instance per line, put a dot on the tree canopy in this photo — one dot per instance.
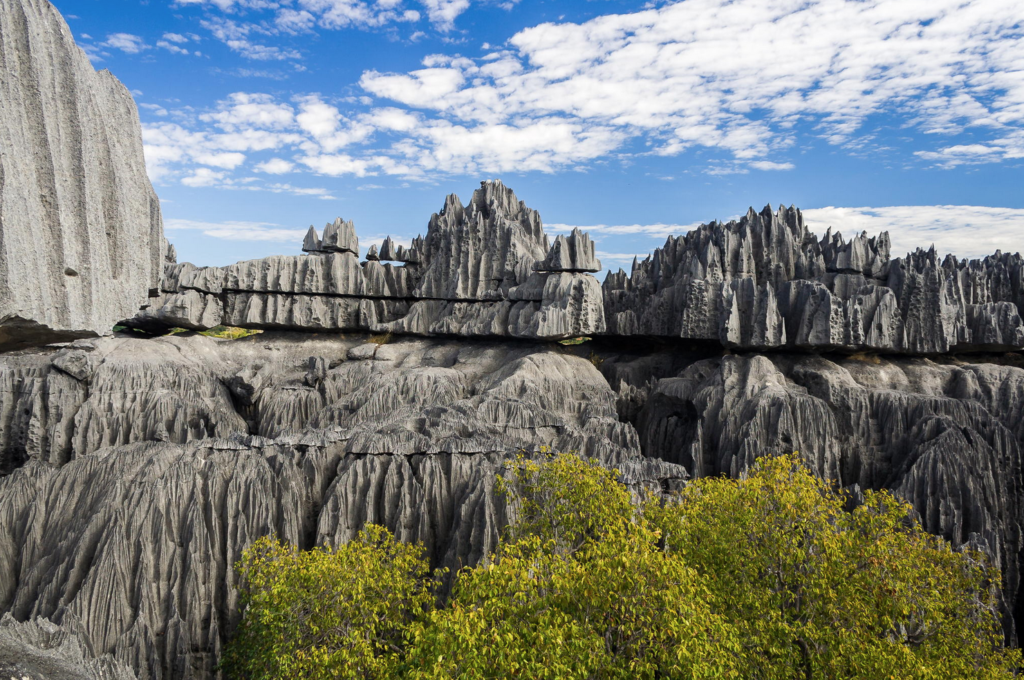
[763, 577]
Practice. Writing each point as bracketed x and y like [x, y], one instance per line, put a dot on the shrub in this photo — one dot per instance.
[767, 577]
[820, 592]
[327, 613]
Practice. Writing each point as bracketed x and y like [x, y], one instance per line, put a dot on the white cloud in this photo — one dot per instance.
[236, 36]
[443, 13]
[170, 47]
[239, 231]
[1008, 147]
[303, 15]
[156, 109]
[204, 177]
[323, 194]
[335, 165]
[769, 165]
[663, 80]
[258, 52]
[275, 166]
[243, 110]
[681, 75]
[175, 38]
[659, 231]
[227, 160]
[126, 42]
[964, 230]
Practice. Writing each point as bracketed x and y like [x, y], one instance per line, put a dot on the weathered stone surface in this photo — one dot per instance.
[407, 397]
[572, 254]
[81, 237]
[212, 444]
[311, 436]
[947, 438]
[468, 277]
[40, 650]
[766, 282]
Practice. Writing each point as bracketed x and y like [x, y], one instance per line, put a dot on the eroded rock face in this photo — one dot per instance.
[40, 650]
[81, 237]
[947, 438]
[130, 531]
[471, 276]
[214, 443]
[765, 282]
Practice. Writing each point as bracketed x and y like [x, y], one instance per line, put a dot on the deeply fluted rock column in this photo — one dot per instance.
[81, 237]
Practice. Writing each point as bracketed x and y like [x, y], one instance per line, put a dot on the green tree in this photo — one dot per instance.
[328, 614]
[819, 592]
[767, 577]
[578, 589]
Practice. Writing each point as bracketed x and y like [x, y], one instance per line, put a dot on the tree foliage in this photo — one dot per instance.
[322, 614]
[765, 577]
[819, 592]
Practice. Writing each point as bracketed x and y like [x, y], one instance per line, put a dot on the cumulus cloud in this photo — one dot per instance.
[204, 177]
[275, 166]
[238, 231]
[736, 75]
[964, 230]
[126, 42]
[741, 79]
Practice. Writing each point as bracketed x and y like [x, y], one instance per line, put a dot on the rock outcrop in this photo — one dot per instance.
[40, 650]
[486, 270]
[471, 275]
[134, 472]
[765, 282]
[947, 438]
[81, 237]
[212, 444]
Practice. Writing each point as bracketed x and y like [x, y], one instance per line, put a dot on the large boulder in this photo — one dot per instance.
[81, 237]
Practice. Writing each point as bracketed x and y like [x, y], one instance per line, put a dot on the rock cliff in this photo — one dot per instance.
[472, 275]
[129, 527]
[134, 471]
[766, 282]
[81, 237]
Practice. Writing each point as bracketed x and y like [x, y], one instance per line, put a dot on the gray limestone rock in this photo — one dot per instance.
[311, 242]
[766, 282]
[572, 254]
[947, 438]
[408, 434]
[72, 177]
[40, 650]
[387, 250]
[340, 237]
[496, 232]
[467, 277]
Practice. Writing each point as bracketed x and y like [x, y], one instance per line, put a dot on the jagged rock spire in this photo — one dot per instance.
[340, 237]
[573, 254]
[311, 244]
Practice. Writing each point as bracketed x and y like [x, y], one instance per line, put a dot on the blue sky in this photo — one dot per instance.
[634, 119]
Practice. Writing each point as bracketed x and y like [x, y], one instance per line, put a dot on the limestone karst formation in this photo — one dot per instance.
[81, 237]
[482, 270]
[763, 282]
[766, 282]
[390, 385]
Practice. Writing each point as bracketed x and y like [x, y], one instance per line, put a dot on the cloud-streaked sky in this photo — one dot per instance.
[636, 118]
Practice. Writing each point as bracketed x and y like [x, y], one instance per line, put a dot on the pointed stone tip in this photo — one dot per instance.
[311, 243]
